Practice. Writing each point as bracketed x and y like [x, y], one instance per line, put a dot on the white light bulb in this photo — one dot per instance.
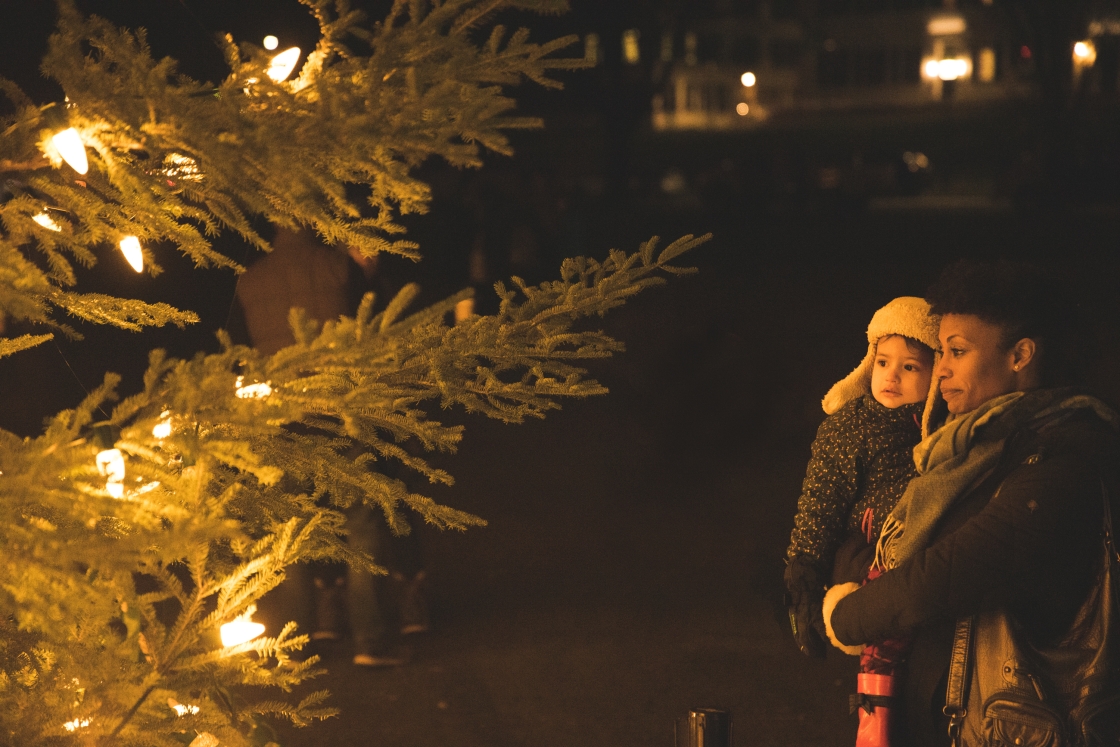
[252, 391]
[181, 709]
[130, 247]
[110, 464]
[162, 429]
[46, 222]
[76, 724]
[72, 149]
[240, 631]
[283, 64]
[271, 42]
[748, 79]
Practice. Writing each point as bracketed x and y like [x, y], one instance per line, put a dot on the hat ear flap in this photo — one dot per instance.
[854, 385]
[936, 409]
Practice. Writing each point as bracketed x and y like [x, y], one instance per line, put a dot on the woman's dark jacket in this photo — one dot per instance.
[863, 456]
[1027, 538]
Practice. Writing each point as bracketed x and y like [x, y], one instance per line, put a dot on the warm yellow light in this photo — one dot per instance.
[46, 222]
[742, 109]
[76, 724]
[162, 429]
[1084, 53]
[271, 42]
[110, 464]
[179, 708]
[631, 52]
[130, 247]
[240, 631]
[252, 391]
[748, 79]
[946, 26]
[283, 64]
[930, 68]
[952, 69]
[72, 149]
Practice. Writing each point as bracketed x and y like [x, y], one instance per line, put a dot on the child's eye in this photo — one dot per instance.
[911, 367]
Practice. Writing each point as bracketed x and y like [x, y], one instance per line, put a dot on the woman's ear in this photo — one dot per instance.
[1022, 353]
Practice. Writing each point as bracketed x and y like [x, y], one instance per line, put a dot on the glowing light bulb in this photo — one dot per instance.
[283, 64]
[110, 464]
[130, 247]
[748, 79]
[742, 109]
[271, 42]
[241, 630]
[162, 429]
[181, 709]
[72, 149]
[46, 222]
[252, 391]
[78, 723]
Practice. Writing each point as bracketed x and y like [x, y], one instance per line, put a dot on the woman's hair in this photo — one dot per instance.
[1024, 302]
[917, 347]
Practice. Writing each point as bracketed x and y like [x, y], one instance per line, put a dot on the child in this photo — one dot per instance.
[862, 459]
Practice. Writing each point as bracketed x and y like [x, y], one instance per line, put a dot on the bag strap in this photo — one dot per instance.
[956, 694]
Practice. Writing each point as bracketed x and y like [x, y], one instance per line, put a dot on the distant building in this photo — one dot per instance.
[746, 62]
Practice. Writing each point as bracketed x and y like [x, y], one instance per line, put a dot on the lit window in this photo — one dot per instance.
[946, 26]
[987, 66]
[630, 51]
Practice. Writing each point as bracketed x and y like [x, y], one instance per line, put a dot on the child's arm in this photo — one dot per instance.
[827, 494]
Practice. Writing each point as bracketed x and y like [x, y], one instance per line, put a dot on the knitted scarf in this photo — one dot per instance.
[958, 456]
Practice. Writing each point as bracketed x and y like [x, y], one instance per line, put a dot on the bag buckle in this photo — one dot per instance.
[956, 720]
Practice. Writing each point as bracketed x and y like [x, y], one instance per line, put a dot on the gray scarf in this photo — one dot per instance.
[957, 457]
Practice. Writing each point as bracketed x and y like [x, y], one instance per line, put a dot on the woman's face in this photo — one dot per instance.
[975, 366]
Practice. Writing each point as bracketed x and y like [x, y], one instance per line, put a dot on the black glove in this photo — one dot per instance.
[805, 593]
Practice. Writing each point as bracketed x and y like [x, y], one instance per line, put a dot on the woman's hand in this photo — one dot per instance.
[831, 599]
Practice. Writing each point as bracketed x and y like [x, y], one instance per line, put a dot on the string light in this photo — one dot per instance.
[271, 42]
[241, 630]
[46, 222]
[252, 391]
[110, 465]
[748, 79]
[179, 708]
[283, 64]
[130, 247]
[72, 149]
[76, 724]
[162, 429]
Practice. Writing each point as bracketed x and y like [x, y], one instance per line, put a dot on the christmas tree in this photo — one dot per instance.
[134, 549]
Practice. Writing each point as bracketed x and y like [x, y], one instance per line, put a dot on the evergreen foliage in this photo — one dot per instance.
[113, 585]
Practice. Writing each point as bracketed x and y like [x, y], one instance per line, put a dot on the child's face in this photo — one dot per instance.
[900, 376]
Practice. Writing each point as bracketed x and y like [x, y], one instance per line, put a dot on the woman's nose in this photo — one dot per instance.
[941, 371]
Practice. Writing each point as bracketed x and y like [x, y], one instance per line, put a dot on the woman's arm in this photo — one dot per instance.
[1038, 526]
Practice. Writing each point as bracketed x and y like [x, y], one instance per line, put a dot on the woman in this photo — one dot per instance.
[1006, 513]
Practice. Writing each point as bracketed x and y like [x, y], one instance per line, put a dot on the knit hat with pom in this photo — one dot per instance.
[907, 316]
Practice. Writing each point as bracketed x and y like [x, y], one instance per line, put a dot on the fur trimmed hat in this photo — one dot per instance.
[907, 316]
